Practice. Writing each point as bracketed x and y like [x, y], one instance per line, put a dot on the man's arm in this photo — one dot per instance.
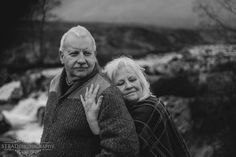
[117, 131]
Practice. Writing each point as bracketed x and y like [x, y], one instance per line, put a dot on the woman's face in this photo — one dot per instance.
[128, 83]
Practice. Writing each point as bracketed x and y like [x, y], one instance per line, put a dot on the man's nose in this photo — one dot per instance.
[80, 58]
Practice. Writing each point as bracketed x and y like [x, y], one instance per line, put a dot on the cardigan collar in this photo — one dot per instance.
[58, 81]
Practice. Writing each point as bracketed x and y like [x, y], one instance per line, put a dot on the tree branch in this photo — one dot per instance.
[215, 18]
[227, 6]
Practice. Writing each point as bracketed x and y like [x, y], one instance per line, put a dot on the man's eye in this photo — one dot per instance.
[87, 53]
[73, 54]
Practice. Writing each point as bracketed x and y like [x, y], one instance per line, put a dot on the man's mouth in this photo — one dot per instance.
[81, 68]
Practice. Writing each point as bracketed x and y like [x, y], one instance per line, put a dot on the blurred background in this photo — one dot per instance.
[187, 47]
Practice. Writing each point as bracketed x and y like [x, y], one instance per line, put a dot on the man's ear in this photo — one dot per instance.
[61, 54]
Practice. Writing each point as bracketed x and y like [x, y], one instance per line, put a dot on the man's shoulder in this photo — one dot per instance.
[105, 86]
[55, 82]
[112, 90]
[102, 81]
[97, 79]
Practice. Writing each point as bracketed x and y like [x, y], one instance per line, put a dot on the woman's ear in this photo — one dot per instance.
[61, 54]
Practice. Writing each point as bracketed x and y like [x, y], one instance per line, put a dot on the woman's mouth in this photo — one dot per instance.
[130, 93]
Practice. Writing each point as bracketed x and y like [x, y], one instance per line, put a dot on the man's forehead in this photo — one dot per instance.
[72, 40]
[72, 37]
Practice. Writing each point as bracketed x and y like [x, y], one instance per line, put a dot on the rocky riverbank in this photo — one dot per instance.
[198, 86]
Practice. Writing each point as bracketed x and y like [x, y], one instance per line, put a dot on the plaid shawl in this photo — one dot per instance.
[158, 135]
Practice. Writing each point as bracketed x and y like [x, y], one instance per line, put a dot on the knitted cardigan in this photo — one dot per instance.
[66, 127]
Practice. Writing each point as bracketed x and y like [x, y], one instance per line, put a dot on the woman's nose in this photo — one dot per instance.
[128, 85]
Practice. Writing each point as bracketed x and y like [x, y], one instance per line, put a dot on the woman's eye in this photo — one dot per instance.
[120, 83]
[132, 79]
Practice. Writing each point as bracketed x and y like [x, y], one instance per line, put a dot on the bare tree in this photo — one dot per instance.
[217, 13]
[42, 12]
[12, 15]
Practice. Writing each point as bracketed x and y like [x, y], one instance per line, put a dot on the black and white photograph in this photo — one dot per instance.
[118, 78]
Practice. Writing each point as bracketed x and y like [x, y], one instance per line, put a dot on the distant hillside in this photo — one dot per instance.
[112, 40]
[170, 13]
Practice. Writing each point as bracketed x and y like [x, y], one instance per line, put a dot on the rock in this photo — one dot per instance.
[193, 60]
[51, 72]
[4, 124]
[3, 75]
[182, 74]
[23, 119]
[202, 149]
[182, 85]
[158, 63]
[10, 91]
[199, 90]
[33, 81]
[9, 154]
[24, 112]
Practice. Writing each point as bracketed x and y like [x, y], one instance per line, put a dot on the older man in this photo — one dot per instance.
[65, 124]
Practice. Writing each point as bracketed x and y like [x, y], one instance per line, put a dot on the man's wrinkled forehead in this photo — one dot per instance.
[71, 40]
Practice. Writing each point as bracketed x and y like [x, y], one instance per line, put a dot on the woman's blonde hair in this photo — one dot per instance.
[113, 66]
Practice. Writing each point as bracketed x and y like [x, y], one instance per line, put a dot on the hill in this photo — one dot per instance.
[112, 40]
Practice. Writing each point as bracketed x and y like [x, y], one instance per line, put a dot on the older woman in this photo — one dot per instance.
[157, 133]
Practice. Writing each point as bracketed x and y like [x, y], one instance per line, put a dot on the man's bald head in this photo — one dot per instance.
[80, 33]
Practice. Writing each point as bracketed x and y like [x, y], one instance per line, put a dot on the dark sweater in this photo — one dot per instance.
[66, 127]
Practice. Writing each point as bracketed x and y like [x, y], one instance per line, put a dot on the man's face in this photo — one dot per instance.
[78, 57]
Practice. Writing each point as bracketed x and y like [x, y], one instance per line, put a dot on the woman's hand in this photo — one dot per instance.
[91, 108]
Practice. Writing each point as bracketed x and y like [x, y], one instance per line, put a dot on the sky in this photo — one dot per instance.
[170, 13]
